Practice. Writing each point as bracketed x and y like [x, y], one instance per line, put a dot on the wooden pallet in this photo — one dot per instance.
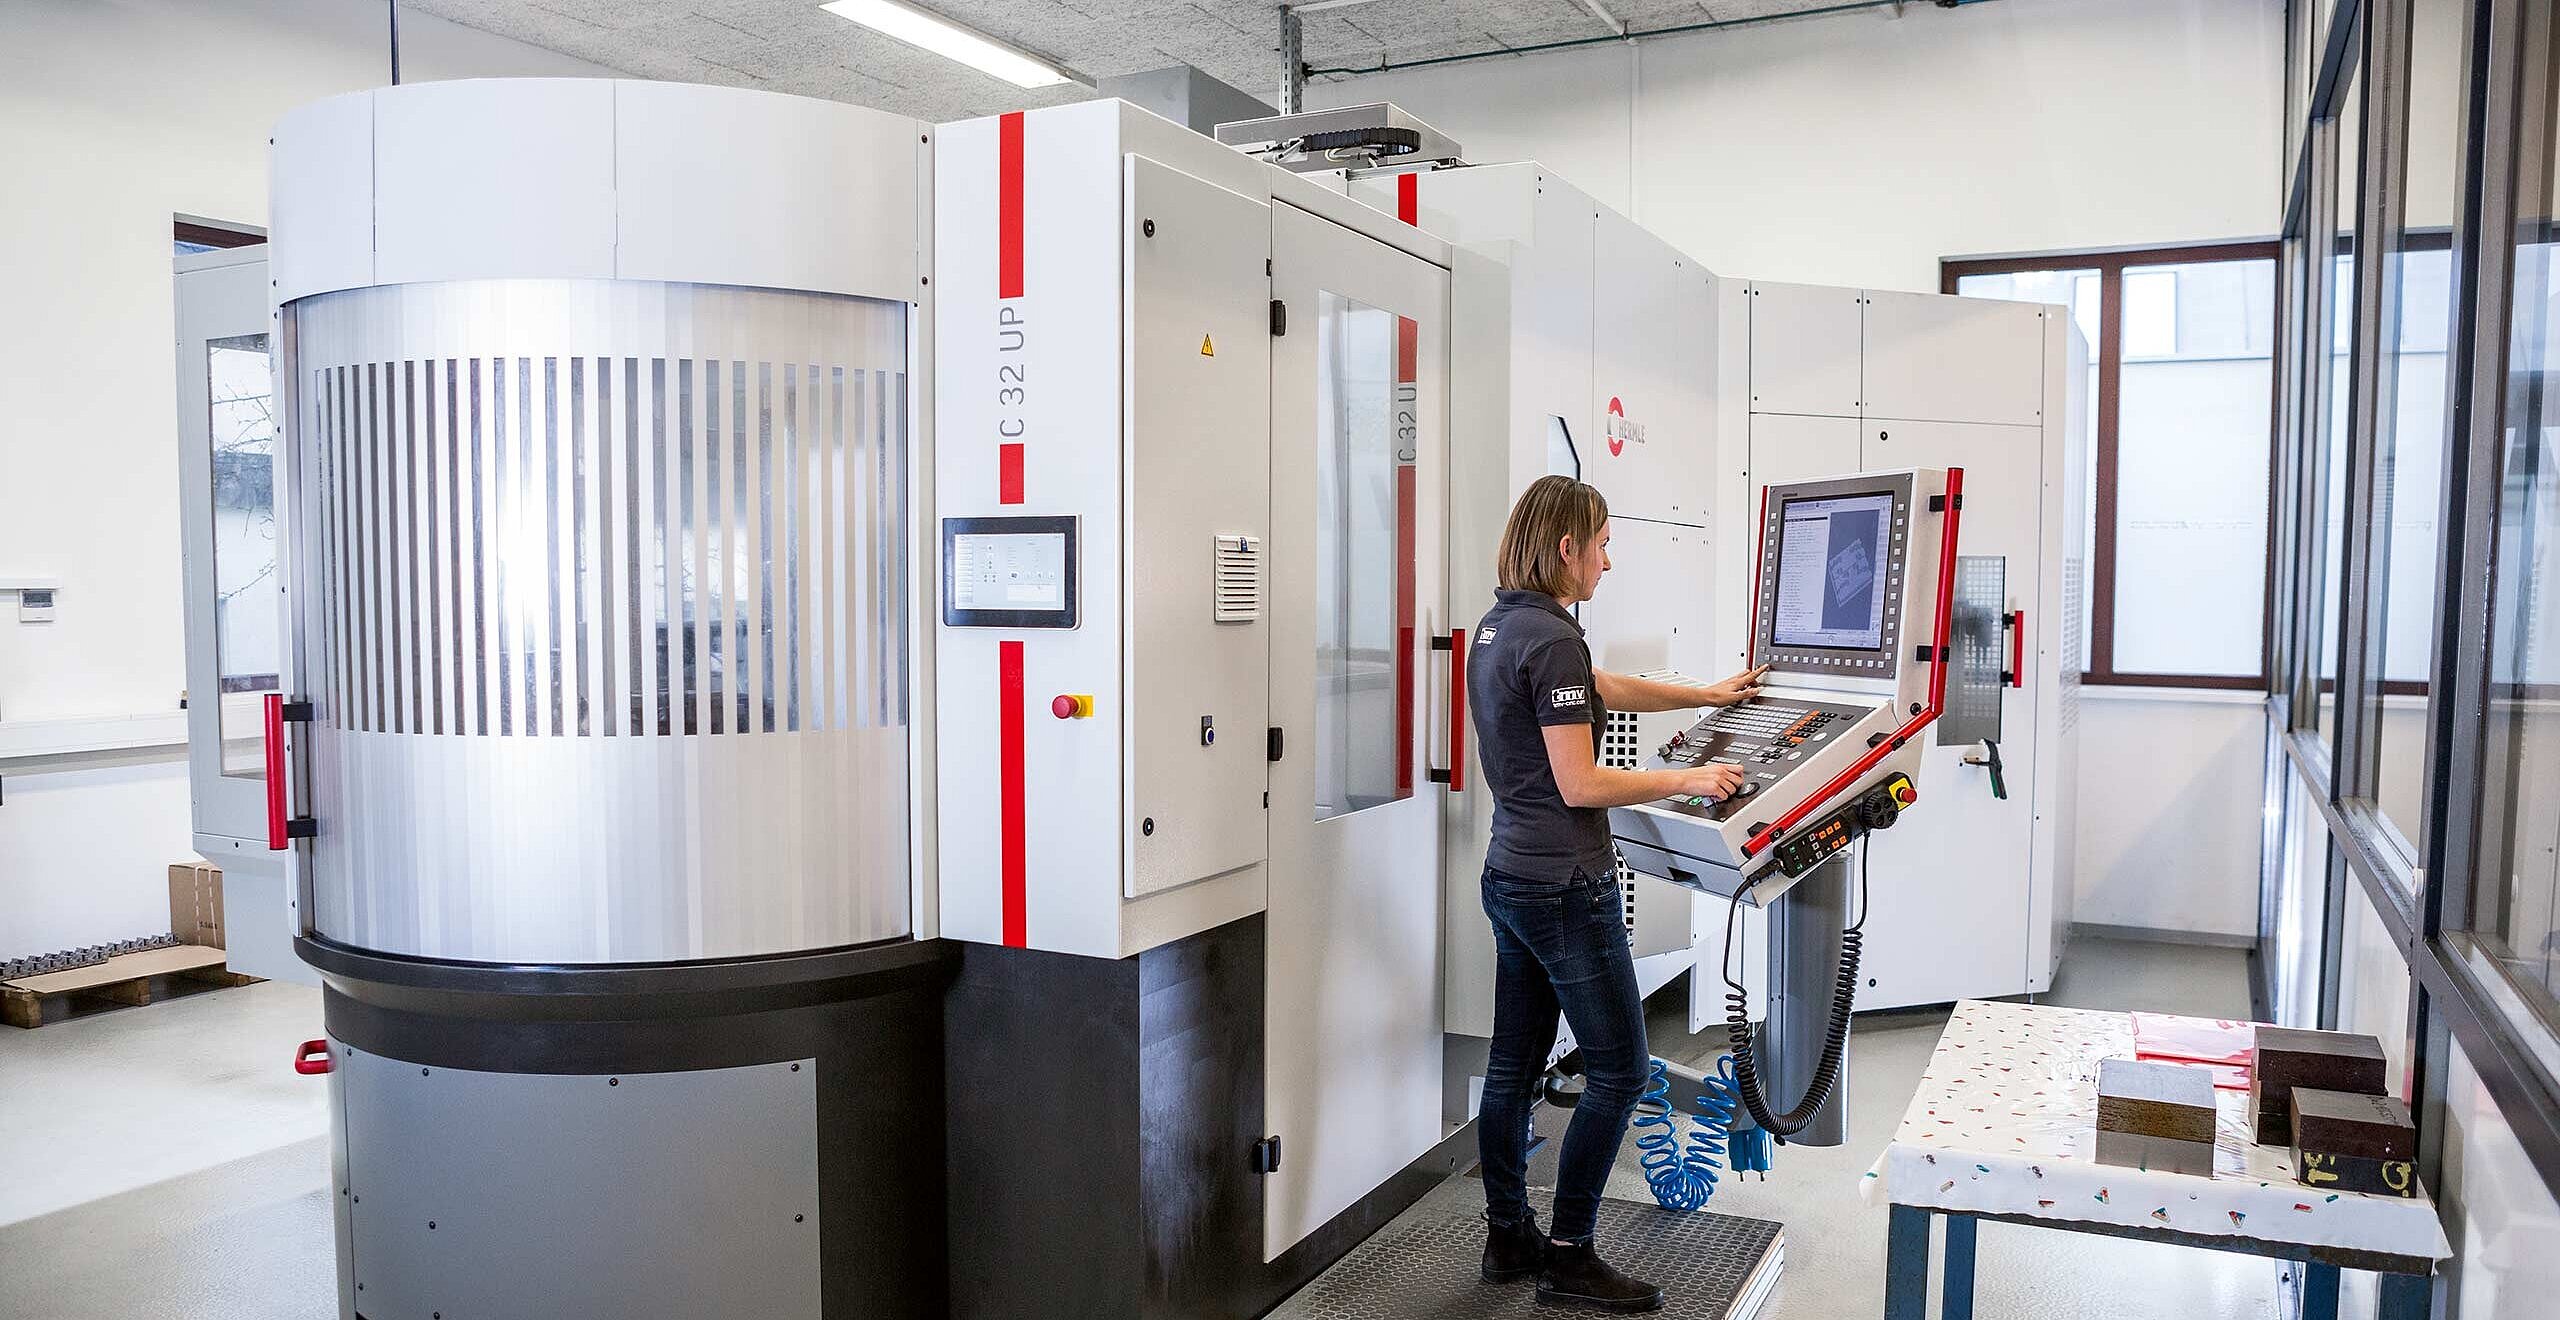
[125, 979]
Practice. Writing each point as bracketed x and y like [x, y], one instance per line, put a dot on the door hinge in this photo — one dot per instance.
[1279, 318]
[1274, 749]
[1266, 1155]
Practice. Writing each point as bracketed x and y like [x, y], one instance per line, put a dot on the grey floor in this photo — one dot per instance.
[1835, 1242]
[166, 1161]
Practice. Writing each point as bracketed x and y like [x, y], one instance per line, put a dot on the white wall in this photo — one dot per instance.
[1859, 149]
[2171, 811]
[116, 115]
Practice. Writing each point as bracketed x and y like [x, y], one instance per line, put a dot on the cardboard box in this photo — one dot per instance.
[195, 903]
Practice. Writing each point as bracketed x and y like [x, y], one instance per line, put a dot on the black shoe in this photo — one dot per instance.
[1513, 1252]
[1576, 1276]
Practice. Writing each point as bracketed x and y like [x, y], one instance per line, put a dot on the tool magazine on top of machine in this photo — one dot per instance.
[969, 662]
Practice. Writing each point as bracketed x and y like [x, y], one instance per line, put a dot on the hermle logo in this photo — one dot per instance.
[1620, 429]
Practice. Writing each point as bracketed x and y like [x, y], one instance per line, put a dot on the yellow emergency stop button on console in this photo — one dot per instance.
[1072, 706]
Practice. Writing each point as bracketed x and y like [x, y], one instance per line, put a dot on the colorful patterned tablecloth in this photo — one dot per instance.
[2004, 1123]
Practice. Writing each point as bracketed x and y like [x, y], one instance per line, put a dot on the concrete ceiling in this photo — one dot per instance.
[794, 46]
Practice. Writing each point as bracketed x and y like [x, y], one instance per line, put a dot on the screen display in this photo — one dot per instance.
[1833, 558]
[1009, 571]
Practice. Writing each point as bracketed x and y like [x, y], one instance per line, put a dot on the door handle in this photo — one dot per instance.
[282, 826]
[2017, 648]
[1455, 643]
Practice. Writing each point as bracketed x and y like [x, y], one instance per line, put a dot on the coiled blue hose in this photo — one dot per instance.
[1683, 1178]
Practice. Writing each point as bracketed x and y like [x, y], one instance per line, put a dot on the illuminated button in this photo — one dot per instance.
[1072, 706]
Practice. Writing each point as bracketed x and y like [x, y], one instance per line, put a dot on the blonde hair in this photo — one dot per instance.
[1551, 509]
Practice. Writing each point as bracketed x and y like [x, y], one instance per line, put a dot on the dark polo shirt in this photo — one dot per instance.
[1528, 667]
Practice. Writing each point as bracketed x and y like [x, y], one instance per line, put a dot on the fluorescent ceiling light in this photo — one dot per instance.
[950, 40]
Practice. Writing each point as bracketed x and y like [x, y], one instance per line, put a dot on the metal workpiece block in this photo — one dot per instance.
[2371, 1126]
[2166, 1100]
[1709, 1266]
[2132, 1150]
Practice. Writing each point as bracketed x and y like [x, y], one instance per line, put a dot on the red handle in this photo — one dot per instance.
[2018, 648]
[277, 838]
[1458, 710]
[312, 1059]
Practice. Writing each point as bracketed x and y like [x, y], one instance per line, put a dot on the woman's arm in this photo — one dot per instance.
[1584, 782]
[1638, 695]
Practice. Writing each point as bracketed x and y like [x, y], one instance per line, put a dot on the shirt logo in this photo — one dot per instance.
[1566, 696]
[1484, 636]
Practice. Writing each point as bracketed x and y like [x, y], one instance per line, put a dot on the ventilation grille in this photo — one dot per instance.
[1239, 577]
[1618, 747]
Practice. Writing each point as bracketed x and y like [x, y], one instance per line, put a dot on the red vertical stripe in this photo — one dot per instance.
[1009, 206]
[1404, 627]
[1409, 198]
[1009, 473]
[1009, 774]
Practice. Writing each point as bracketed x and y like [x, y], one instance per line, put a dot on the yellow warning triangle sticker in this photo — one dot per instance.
[1206, 349]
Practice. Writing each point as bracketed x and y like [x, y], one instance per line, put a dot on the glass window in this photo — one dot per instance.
[2191, 467]
[2339, 389]
[1364, 567]
[2519, 881]
[248, 634]
[2412, 414]
[2297, 906]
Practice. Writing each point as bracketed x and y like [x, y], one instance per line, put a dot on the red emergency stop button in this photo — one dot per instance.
[1905, 794]
[1069, 706]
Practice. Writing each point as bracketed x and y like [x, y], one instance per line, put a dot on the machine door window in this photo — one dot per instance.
[247, 639]
[1364, 615]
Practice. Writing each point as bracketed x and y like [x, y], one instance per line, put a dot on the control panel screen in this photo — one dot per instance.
[1009, 572]
[1832, 573]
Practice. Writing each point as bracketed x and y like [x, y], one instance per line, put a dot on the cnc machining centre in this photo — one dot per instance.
[860, 713]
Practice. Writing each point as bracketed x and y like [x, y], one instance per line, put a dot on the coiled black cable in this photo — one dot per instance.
[1835, 1036]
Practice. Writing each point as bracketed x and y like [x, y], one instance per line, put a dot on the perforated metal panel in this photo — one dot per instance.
[1710, 1267]
[1980, 649]
[1619, 749]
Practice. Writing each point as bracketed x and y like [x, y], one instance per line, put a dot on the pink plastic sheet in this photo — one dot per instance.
[2218, 1043]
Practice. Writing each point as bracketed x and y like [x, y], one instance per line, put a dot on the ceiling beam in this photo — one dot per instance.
[1601, 12]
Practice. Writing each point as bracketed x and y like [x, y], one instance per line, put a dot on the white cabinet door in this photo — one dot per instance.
[1804, 349]
[1359, 472]
[1652, 325]
[1951, 898]
[1937, 357]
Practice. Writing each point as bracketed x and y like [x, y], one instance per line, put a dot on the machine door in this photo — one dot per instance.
[227, 430]
[1952, 922]
[226, 450]
[1358, 482]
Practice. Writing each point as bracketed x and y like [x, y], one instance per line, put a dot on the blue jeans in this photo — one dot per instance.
[1559, 946]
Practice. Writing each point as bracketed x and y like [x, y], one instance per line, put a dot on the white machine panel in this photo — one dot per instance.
[1652, 323]
[1804, 349]
[1651, 611]
[435, 134]
[1915, 342]
[1199, 446]
[683, 154]
[1954, 923]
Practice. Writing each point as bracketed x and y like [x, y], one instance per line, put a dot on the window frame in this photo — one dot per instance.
[2107, 355]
